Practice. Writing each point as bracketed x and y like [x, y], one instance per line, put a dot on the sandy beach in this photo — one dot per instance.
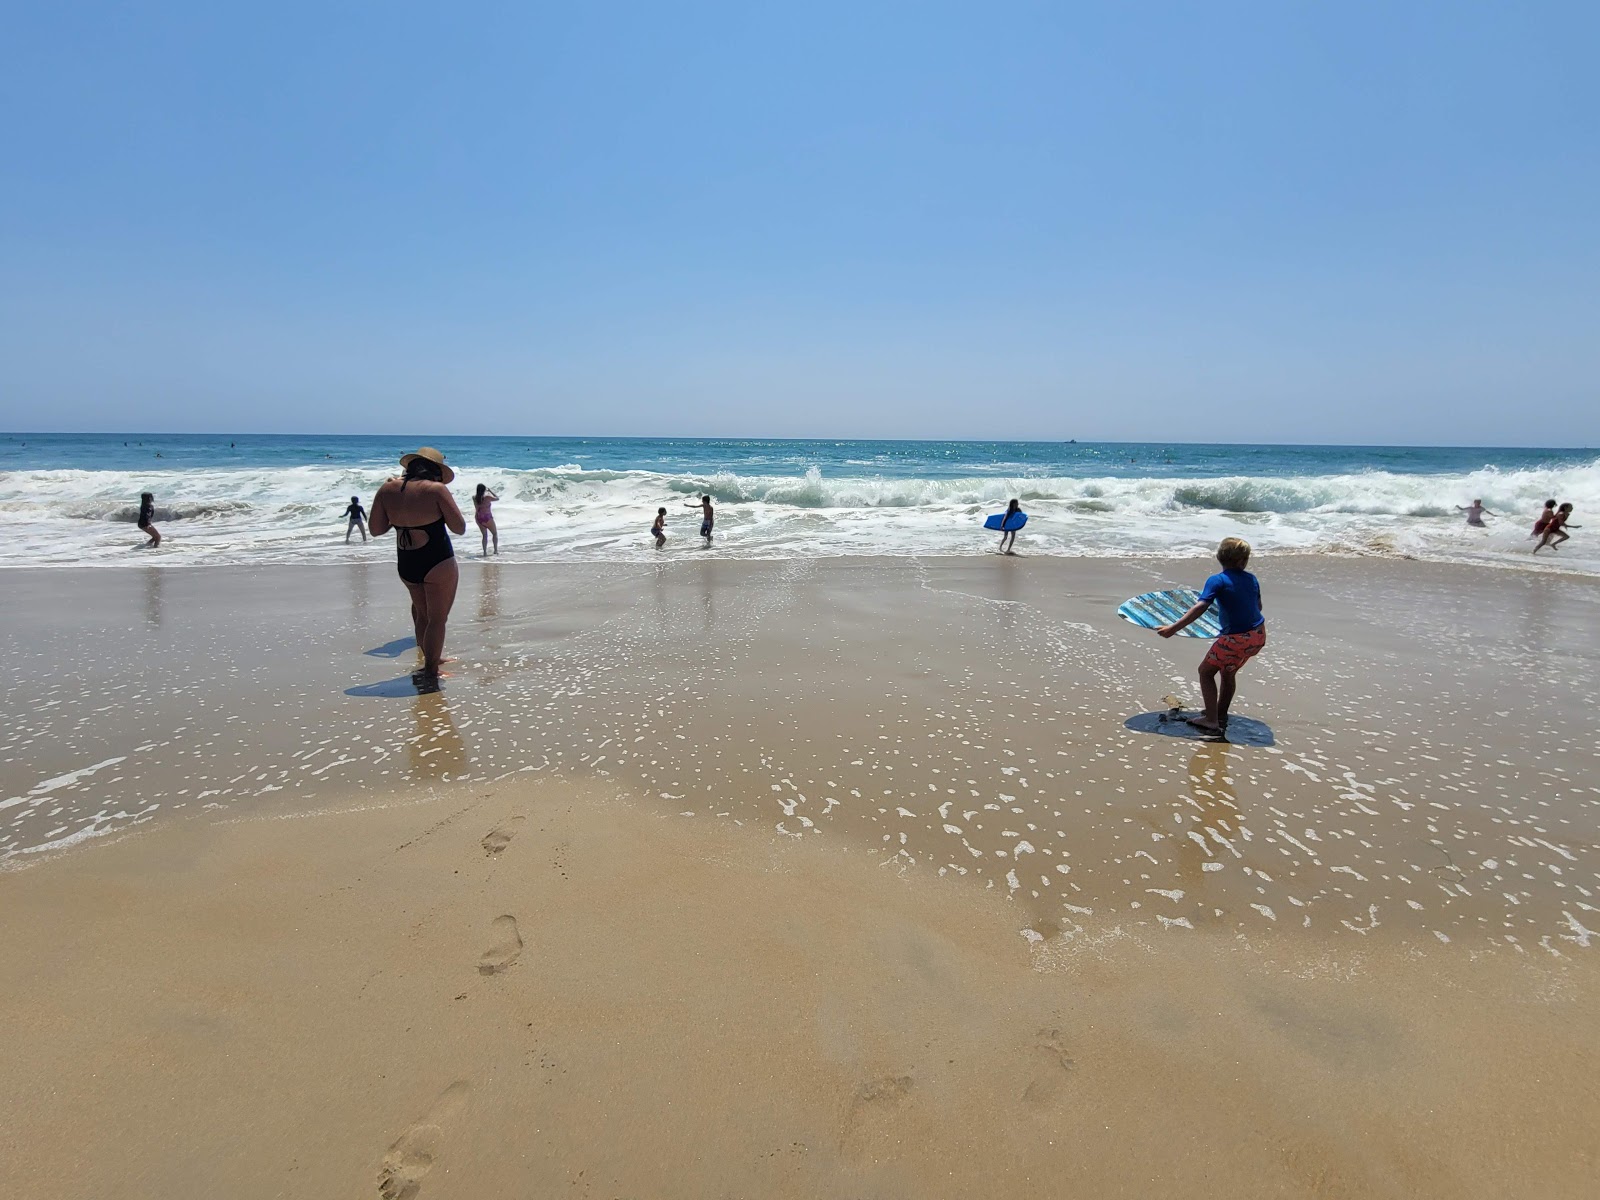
[856, 877]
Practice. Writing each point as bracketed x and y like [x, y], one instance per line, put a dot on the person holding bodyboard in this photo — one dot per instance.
[1008, 523]
[1237, 593]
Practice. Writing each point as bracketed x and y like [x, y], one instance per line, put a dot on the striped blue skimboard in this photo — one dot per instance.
[1155, 609]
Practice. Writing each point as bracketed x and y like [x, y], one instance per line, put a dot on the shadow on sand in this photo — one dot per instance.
[398, 688]
[1242, 731]
[393, 649]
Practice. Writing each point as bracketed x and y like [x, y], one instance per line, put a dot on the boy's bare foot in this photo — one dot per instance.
[1205, 723]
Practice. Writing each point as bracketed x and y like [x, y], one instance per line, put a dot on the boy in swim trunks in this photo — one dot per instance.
[1237, 593]
[707, 516]
[659, 529]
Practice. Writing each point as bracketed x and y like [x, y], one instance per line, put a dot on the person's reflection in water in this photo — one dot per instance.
[1210, 804]
[152, 595]
[435, 747]
[489, 593]
[357, 579]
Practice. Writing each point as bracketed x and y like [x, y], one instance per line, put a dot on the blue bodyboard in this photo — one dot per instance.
[998, 521]
[1155, 609]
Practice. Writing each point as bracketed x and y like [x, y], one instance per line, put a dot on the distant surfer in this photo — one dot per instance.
[1475, 514]
[708, 516]
[1543, 523]
[659, 529]
[1237, 593]
[357, 519]
[1008, 529]
[483, 513]
[147, 513]
[1556, 532]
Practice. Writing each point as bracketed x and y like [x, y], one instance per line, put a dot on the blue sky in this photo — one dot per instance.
[1273, 221]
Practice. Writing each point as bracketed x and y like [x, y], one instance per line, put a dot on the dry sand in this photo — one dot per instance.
[471, 944]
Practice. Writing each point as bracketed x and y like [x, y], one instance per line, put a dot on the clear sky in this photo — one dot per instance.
[1274, 221]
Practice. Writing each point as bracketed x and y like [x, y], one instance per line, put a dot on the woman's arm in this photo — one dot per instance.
[1188, 619]
[448, 510]
[378, 516]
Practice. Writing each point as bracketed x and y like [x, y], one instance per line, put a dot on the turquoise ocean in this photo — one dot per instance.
[71, 499]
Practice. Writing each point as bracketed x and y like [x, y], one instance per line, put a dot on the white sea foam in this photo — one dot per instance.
[252, 515]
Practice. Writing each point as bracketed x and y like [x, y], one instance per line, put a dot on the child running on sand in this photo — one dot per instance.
[1556, 531]
[357, 519]
[1244, 631]
[659, 529]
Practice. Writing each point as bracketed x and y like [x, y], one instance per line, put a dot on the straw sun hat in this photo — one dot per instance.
[433, 456]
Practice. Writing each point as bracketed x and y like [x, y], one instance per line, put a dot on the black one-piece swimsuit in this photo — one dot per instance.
[415, 563]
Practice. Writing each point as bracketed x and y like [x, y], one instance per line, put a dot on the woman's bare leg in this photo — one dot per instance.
[439, 588]
[419, 611]
[494, 530]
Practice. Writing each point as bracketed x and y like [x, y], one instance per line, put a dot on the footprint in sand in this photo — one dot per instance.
[1052, 1068]
[411, 1157]
[498, 838]
[505, 948]
[870, 1112]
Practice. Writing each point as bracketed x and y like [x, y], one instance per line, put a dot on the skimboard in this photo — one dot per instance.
[1155, 609]
[998, 521]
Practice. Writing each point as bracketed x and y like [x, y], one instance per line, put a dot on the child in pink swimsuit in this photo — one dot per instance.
[483, 514]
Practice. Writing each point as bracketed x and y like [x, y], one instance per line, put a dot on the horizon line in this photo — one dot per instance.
[570, 437]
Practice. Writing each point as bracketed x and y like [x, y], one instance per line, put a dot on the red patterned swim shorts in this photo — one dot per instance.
[1232, 650]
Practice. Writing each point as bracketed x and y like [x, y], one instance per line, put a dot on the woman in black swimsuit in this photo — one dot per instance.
[419, 508]
[147, 513]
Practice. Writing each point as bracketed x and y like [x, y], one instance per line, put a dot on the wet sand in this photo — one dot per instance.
[867, 877]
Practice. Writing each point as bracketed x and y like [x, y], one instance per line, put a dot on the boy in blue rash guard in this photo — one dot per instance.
[1237, 593]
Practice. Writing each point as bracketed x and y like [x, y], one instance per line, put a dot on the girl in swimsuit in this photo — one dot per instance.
[147, 512]
[419, 507]
[1008, 539]
[1543, 523]
[483, 514]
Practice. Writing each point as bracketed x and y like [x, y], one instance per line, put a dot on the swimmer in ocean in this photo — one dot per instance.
[659, 529]
[1475, 514]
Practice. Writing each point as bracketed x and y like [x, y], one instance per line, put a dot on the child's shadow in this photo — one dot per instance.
[1242, 731]
[393, 649]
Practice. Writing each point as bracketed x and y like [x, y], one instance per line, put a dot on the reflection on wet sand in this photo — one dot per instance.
[153, 586]
[435, 748]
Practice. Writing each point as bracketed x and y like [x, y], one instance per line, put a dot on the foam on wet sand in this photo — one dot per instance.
[793, 878]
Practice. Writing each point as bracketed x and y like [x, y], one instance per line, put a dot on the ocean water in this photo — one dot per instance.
[73, 499]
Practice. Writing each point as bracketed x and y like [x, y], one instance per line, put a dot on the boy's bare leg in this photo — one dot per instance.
[1208, 692]
[1225, 697]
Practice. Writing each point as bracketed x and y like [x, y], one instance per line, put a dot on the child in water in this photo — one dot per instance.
[357, 519]
[659, 529]
[1475, 514]
[147, 512]
[483, 513]
[1244, 631]
[1543, 523]
[1008, 538]
[707, 516]
[1556, 531]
